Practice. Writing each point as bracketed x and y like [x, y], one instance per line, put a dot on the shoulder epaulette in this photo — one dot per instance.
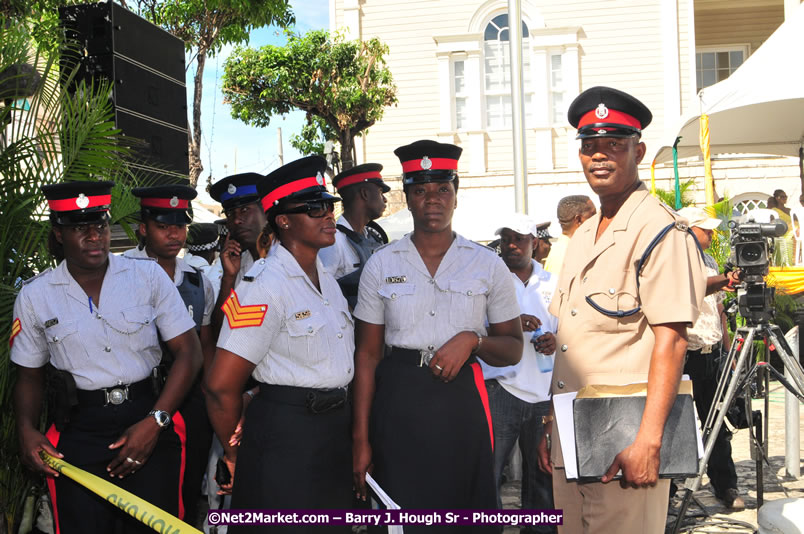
[140, 258]
[34, 277]
[254, 271]
[383, 246]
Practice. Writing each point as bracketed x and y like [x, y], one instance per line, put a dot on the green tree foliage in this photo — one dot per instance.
[669, 196]
[344, 85]
[47, 136]
[205, 26]
[42, 19]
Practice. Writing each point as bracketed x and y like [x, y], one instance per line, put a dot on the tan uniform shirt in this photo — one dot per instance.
[596, 349]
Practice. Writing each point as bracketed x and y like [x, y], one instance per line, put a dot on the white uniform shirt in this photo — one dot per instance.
[707, 329]
[524, 380]
[472, 286]
[198, 262]
[215, 274]
[341, 259]
[306, 337]
[115, 342]
[182, 266]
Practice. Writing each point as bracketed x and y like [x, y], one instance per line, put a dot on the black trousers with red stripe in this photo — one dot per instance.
[199, 440]
[85, 444]
[431, 441]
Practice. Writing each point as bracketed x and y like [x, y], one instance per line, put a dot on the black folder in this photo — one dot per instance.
[604, 426]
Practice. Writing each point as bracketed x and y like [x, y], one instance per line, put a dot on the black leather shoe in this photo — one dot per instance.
[731, 498]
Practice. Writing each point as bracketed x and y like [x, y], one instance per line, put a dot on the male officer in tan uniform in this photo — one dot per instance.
[595, 346]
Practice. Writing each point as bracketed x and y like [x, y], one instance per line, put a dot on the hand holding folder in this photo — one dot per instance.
[604, 422]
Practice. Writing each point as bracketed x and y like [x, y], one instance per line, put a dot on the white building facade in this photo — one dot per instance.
[450, 61]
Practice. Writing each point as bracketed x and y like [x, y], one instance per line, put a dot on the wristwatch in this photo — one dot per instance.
[161, 417]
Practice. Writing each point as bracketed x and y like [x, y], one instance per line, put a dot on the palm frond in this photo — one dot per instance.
[58, 135]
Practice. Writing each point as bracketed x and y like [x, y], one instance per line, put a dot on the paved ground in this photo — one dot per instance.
[706, 514]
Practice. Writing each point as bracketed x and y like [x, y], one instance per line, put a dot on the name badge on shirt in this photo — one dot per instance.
[396, 279]
[302, 315]
[51, 322]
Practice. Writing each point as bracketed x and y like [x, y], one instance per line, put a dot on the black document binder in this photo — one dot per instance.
[604, 426]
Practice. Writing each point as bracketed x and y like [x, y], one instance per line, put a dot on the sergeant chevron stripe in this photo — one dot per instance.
[16, 328]
[241, 316]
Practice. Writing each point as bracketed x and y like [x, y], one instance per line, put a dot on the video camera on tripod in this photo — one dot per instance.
[751, 251]
[752, 248]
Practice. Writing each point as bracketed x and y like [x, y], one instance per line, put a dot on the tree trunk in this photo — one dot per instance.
[195, 132]
[347, 143]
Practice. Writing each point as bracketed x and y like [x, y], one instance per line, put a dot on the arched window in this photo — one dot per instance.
[497, 72]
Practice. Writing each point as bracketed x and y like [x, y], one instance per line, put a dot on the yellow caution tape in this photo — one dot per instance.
[138, 508]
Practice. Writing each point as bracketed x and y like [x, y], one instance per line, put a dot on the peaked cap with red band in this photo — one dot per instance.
[607, 112]
[368, 172]
[83, 202]
[168, 204]
[298, 181]
[428, 161]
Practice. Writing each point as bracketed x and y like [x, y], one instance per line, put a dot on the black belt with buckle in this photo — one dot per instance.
[421, 358]
[115, 395]
[315, 400]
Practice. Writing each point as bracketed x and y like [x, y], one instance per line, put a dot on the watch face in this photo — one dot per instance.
[162, 418]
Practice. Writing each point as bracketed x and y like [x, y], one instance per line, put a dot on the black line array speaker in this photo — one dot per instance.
[146, 65]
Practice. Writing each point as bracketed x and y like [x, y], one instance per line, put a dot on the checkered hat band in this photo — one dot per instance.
[202, 248]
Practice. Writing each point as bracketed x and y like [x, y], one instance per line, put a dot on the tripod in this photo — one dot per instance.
[746, 370]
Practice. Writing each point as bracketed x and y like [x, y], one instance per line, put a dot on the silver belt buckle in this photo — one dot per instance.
[116, 395]
[426, 357]
[707, 349]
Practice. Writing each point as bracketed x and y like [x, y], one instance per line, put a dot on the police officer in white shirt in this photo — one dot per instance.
[202, 246]
[519, 395]
[363, 192]
[96, 318]
[429, 297]
[165, 212]
[288, 324]
[244, 221]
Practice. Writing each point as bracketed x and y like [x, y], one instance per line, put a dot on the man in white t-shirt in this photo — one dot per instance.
[519, 395]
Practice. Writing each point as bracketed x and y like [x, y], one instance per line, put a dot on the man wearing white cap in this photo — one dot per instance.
[519, 395]
[704, 346]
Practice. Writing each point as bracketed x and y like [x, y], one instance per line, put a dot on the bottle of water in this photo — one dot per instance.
[544, 361]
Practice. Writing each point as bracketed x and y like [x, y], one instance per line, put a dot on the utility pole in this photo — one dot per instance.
[279, 153]
[518, 106]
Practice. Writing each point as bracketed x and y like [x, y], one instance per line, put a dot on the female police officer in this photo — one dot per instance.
[428, 297]
[97, 318]
[288, 324]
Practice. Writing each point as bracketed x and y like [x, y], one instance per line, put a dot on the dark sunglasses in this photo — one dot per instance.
[315, 209]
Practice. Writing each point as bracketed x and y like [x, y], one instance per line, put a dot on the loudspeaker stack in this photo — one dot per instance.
[146, 65]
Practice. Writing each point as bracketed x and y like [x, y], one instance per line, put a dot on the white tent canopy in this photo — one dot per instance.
[759, 109]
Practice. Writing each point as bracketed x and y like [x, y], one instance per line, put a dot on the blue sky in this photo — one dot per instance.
[229, 145]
